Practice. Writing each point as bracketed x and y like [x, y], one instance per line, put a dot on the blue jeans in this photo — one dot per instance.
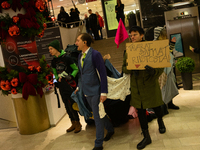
[100, 123]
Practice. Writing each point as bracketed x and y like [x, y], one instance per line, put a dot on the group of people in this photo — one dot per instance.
[64, 18]
[144, 84]
[94, 24]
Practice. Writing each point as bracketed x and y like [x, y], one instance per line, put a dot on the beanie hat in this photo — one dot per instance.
[55, 44]
[157, 31]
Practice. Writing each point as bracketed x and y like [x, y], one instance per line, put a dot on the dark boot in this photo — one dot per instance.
[161, 125]
[78, 127]
[72, 127]
[146, 140]
[172, 106]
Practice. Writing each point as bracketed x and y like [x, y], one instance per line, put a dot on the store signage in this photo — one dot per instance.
[19, 51]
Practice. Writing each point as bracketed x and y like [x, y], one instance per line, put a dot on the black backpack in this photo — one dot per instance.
[72, 51]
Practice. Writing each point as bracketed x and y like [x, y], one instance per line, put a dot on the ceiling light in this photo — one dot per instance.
[60, 0]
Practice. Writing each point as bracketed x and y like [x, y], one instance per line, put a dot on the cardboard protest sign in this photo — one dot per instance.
[152, 53]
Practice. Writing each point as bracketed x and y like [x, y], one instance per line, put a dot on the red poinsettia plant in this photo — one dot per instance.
[28, 81]
[32, 23]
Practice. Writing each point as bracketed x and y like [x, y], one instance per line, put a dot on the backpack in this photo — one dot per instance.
[71, 50]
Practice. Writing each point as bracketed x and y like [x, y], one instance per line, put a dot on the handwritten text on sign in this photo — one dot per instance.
[152, 53]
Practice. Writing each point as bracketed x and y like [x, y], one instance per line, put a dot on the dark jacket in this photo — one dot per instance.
[120, 11]
[75, 15]
[93, 21]
[63, 17]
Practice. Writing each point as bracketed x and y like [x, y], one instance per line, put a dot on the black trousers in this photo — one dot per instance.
[65, 92]
[143, 118]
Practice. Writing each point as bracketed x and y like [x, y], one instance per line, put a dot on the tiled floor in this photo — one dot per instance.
[183, 131]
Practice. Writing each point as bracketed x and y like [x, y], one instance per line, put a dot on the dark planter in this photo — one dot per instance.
[187, 80]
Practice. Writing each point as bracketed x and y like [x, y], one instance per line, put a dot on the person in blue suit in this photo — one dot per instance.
[94, 85]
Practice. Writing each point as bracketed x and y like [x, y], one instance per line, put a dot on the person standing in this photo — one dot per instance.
[65, 71]
[119, 10]
[100, 24]
[87, 25]
[74, 14]
[94, 85]
[63, 16]
[93, 24]
[145, 91]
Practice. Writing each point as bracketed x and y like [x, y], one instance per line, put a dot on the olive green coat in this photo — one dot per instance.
[145, 88]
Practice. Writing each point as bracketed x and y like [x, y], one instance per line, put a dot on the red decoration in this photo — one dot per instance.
[40, 5]
[29, 82]
[38, 69]
[14, 91]
[31, 68]
[14, 82]
[14, 30]
[5, 85]
[44, 25]
[5, 5]
[15, 19]
[41, 34]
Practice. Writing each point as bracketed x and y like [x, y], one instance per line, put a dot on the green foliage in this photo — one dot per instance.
[185, 64]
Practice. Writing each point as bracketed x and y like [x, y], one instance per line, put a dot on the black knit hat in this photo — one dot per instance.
[55, 44]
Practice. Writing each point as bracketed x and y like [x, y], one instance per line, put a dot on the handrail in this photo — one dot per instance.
[56, 23]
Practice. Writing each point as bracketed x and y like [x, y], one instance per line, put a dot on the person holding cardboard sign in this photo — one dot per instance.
[145, 91]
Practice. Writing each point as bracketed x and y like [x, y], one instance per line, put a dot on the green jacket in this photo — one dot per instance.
[145, 89]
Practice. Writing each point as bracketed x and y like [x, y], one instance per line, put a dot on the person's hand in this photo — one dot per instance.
[59, 80]
[103, 98]
[191, 48]
[173, 39]
[75, 91]
[149, 70]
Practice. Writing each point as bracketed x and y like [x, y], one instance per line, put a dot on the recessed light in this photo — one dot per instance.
[60, 0]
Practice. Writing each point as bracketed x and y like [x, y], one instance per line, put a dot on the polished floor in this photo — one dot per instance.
[183, 131]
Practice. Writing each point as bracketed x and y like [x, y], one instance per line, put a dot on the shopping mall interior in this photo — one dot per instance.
[181, 18]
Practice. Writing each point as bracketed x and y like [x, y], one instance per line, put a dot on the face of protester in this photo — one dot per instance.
[80, 43]
[52, 51]
[136, 36]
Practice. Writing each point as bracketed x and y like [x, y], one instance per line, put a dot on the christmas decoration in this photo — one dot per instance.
[40, 5]
[30, 24]
[14, 82]
[5, 5]
[25, 81]
[14, 30]
[15, 19]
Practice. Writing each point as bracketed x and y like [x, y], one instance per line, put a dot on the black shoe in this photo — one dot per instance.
[146, 140]
[98, 148]
[172, 106]
[108, 136]
[161, 125]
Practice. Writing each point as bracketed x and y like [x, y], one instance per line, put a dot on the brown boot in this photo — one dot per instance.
[78, 127]
[72, 126]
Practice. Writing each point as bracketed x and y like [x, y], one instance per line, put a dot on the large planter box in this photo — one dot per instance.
[32, 115]
[187, 80]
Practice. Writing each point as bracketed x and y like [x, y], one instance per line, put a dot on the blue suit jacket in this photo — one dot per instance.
[91, 83]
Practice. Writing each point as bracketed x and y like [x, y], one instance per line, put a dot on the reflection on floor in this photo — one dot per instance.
[4, 124]
[183, 132]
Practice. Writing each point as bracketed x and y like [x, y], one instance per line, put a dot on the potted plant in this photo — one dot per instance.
[186, 65]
